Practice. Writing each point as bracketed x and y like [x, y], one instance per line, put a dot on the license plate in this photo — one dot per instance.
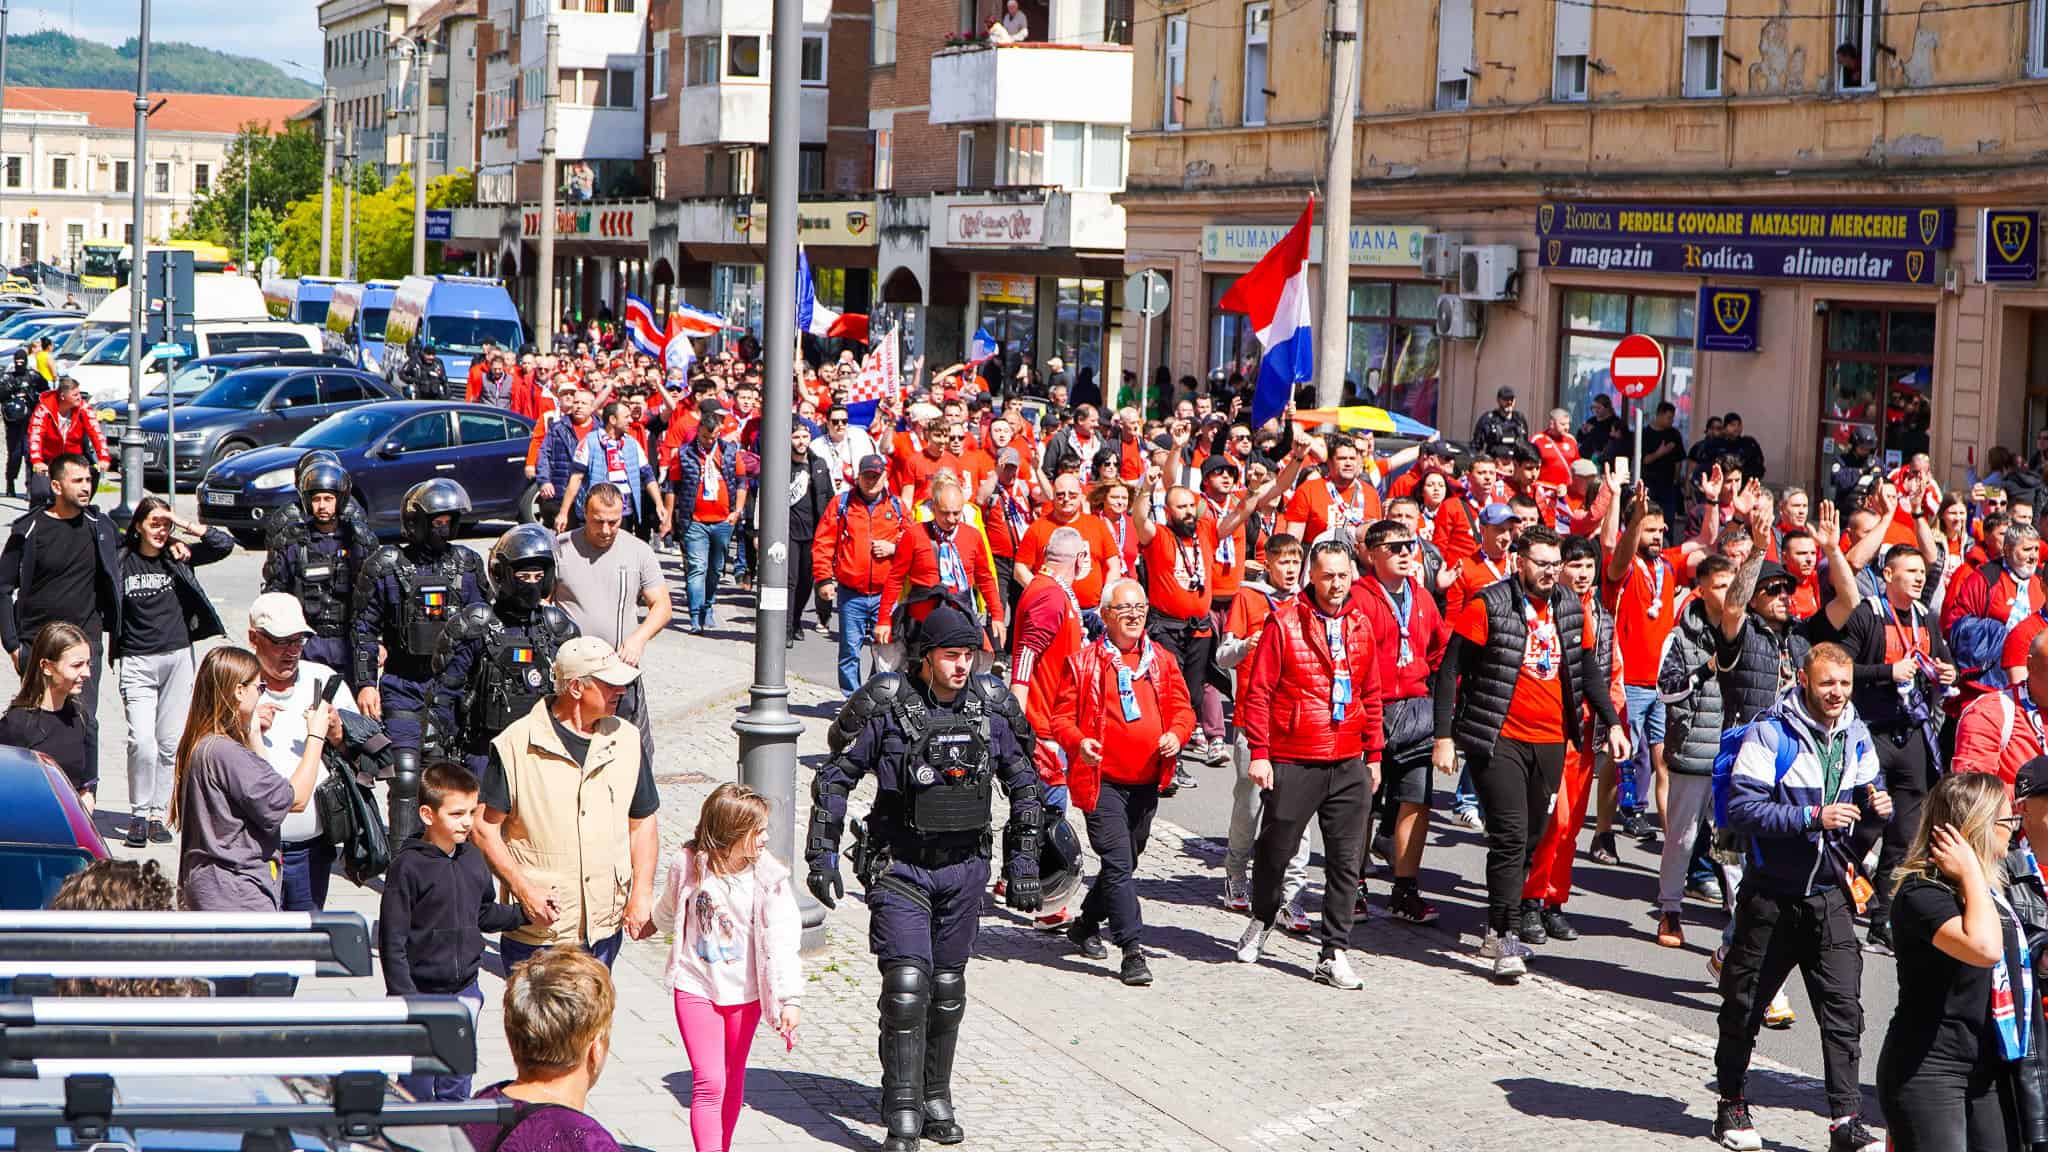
[220, 497]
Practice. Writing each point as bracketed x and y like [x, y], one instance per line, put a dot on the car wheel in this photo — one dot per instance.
[529, 505]
[227, 449]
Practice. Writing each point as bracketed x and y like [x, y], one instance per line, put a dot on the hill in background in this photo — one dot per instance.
[51, 59]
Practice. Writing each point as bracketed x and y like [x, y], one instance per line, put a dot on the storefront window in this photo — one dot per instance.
[736, 293]
[1594, 322]
[1009, 314]
[1077, 327]
[1233, 347]
[1878, 374]
[1393, 356]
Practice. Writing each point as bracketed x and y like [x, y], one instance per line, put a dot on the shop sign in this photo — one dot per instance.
[844, 222]
[996, 225]
[1372, 245]
[1727, 318]
[1865, 228]
[626, 222]
[1853, 264]
[2008, 246]
[1006, 289]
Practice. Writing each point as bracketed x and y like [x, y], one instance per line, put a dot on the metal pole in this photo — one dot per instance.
[138, 286]
[248, 177]
[767, 732]
[1144, 365]
[348, 203]
[422, 61]
[544, 273]
[3, 121]
[1333, 335]
[326, 181]
[1636, 473]
[170, 408]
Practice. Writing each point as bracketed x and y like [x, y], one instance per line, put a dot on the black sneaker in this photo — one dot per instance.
[1733, 1127]
[1087, 941]
[1136, 972]
[1557, 926]
[1854, 1137]
[1407, 904]
[1603, 849]
[158, 834]
[1363, 907]
[138, 833]
[1531, 930]
[1880, 939]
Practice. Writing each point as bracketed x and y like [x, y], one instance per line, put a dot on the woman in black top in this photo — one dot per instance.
[1944, 1077]
[46, 717]
[163, 614]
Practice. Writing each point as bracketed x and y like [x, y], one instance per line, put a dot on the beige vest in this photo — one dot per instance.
[567, 828]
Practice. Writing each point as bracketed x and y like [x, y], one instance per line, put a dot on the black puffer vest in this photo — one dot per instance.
[1751, 684]
[1487, 675]
[1693, 710]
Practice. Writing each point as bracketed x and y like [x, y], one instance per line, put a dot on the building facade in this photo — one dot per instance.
[1825, 216]
[364, 68]
[67, 164]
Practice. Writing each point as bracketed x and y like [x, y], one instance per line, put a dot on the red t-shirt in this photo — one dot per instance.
[1475, 573]
[713, 499]
[1228, 570]
[2021, 638]
[972, 467]
[1178, 572]
[1094, 563]
[911, 468]
[1130, 748]
[1644, 610]
[1806, 597]
[1311, 504]
[1536, 711]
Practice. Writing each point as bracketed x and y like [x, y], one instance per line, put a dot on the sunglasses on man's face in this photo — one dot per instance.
[1399, 547]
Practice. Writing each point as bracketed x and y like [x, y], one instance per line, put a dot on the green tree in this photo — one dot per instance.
[278, 170]
[383, 227]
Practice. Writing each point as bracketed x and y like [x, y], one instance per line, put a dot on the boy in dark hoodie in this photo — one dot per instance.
[437, 907]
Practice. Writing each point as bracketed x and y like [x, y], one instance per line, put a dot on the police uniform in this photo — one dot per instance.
[495, 662]
[405, 598]
[925, 858]
[424, 378]
[319, 569]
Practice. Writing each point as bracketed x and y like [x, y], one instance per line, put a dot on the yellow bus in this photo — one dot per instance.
[104, 264]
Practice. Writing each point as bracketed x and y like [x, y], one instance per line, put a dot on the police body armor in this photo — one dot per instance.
[515, 670]
[430, 594]
[949, 781]
[427, 381]
[322, 587]
[18, 395]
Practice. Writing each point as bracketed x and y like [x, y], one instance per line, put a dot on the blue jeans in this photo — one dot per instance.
[607, 950]
[1645, 727]
[704, 548]
[1464, 798]
[302, 881]
[856, 625]
[429, 1087]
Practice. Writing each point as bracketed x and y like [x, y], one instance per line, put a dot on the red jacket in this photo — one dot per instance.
[1083, 689]
[1285, 711]
[1995, 735]
[916, 565]
[523, 400]
[1428, 634]
[840, 552]
[51, 435]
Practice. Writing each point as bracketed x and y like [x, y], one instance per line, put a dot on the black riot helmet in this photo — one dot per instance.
[317, 476]
[527, 546]
[316, 456]
[425, 501]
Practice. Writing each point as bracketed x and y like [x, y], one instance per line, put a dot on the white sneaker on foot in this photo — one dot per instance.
[1236, 894]
[1336, 972]
[1295, 919]
[1469, 818]
[1252, 942]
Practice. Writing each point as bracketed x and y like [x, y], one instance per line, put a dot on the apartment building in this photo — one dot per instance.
[67, 164]
[365, 69]
[997, 161]
[1824, 211]
[449, 29]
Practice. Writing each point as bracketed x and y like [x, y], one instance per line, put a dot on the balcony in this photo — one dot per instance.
[586, 133]
[736, 112]
[717, 17]
[1068, 83]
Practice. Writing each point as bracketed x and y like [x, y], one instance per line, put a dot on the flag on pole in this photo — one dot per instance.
[647, 336]
[695, 321]
[880, 378]
[815, 318]
[982, 348]
[1275, 295]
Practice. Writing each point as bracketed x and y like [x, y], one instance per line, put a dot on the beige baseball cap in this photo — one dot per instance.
[278, 616]
[588, 657]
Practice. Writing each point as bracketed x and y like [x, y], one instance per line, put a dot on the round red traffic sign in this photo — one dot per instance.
[1637, 366]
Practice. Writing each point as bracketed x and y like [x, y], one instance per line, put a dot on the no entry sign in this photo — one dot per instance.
[1637, 366]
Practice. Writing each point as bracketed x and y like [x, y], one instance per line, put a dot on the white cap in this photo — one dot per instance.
[278, 616]
[588, 657]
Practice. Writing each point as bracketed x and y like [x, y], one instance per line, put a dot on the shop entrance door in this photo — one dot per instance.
[1877, 380]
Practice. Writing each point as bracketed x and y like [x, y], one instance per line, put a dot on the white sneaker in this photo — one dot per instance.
[1509, 956]
[1336, 972]
[1252, 942]
[1469, 818]
[1778, 1015]
[1236, 894]
[1294, 919]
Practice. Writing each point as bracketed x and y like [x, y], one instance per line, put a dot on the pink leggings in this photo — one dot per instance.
[716, 1038]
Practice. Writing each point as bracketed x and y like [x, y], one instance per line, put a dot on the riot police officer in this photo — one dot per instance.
[936, 739]
[315, 551]
[20, 389]
[496, 661]
[405, 597]
[423, 375]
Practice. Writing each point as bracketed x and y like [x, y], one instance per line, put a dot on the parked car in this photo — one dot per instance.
[196, 376]
[45, 833]
[387, 448]
[27, 327]
[249, 409]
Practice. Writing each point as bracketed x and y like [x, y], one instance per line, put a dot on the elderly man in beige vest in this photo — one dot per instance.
[569, 812]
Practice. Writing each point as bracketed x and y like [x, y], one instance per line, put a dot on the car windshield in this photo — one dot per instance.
[20, 325]
[373, 322]
[81, 340]
[351, 429]
[111, 350]
[313, 311]
[237, 390]
[465, 335]
[192, 379]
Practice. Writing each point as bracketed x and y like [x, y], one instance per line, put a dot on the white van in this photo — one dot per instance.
[229, 316]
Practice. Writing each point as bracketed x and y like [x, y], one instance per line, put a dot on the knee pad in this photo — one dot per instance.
[949, 990]
[906, 993]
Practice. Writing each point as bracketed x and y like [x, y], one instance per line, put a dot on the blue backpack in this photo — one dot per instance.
[1731, 745]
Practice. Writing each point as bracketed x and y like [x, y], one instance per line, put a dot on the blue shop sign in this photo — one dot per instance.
[1853, 264]
[1912, 226]
[1727, 318]
[2009, 246]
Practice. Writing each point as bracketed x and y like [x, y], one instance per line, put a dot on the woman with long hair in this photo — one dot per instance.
[1111, 500]
[47, 714]
[164, 613]
[227, 803]
[1945, 1076]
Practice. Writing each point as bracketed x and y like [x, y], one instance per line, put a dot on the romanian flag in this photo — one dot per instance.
[522, 655]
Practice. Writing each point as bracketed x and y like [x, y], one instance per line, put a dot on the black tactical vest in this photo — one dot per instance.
[949, 782]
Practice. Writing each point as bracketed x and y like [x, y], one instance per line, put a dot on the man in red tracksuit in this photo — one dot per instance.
[1311, 716]
[62, 422]
[852, 555]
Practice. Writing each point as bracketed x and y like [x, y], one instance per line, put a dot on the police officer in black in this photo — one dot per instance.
[1500, 424]
[496, 660]
[423, 375]
[20, 389]
[937, 740]
[315, 551]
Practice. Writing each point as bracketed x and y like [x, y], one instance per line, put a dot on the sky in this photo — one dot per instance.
[276, 32]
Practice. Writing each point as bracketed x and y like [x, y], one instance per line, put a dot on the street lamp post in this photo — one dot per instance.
[422, 63]
[544, 267]
[326, 180]
[348, 203]
[767, 731]
[138, 286]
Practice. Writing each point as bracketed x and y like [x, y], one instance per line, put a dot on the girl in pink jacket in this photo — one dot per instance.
[733, 914]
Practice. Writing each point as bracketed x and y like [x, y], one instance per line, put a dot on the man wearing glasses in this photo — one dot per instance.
[842, 448]
[277, 633]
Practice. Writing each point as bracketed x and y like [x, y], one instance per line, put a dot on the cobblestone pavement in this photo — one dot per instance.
[1056, 1055]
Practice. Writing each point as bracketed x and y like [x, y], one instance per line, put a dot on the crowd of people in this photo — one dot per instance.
[1819, 708]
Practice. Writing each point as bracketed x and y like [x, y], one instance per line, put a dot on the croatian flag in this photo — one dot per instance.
[815, 318]
[881, 375]
[1275, 295]
[647, 336]
[694, 321]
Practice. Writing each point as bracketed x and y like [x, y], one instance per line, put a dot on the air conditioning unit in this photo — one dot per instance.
[1458, 318]
[1440, 257]
[1488, 271]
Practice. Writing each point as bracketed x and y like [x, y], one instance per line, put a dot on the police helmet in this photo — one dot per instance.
[428, 499]
[1060, 859]
[524, 547]
[321, 471]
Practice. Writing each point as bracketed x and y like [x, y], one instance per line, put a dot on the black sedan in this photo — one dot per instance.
[250, 409]
[190, 379]
[387, 448]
